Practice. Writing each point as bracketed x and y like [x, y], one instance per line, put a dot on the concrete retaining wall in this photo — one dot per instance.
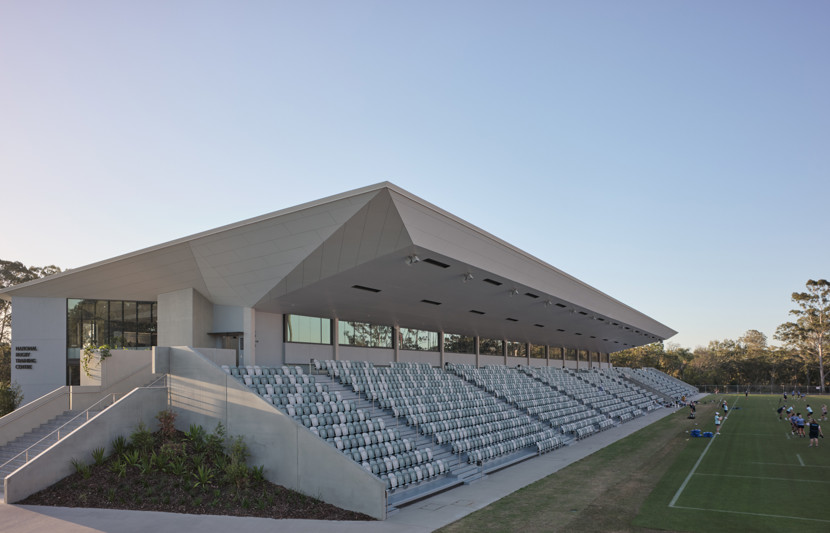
[121, 418]
[201, 393]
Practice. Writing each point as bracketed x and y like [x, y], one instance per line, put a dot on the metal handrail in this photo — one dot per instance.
[58, 430]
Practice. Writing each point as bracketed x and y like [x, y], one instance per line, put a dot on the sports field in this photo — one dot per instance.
[754, 476]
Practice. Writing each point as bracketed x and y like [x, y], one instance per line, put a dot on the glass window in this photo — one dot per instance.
[491, 346]
[364, 334]
[113, 322]
[455, 343]
[516, 349]
[583, 355]
[570, 354]
[74, 328]
[307, 329]
[555, 352]
[418, 339]
[537, 351]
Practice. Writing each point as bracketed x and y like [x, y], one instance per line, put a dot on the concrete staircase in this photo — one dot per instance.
[14, 454]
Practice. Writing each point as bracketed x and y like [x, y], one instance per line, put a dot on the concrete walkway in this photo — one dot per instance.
[420, 517]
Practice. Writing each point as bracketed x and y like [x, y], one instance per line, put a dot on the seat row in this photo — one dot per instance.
[456, 423]
[442, 437]
[402, 458]
[256, 370]
[413, 474]
[508, 435]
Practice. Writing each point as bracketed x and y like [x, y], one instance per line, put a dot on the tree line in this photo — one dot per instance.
[750, 361]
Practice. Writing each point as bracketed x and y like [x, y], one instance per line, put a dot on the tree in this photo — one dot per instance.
[14, 273]
[810, 333]
[10, 397]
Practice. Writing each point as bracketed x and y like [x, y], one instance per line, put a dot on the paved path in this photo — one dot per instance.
[421, 517]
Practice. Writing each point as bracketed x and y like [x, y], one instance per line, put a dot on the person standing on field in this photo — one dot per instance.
[815, 432]
[717, 423]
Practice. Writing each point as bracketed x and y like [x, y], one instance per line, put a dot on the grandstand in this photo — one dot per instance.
[370, 332]
[422, 429]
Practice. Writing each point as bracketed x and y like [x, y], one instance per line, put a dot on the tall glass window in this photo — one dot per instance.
[119, 324]
[418, 339]
[555, 352]
[491, 346]
[455, 343]
[307, 329]
[516, 349]
[537, 351]
[364, 334]
[570, 354]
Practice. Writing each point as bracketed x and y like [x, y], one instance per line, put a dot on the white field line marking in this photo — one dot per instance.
[694, 468]
[800, 460]
[767, 478]
[755, 514]
[785, 464]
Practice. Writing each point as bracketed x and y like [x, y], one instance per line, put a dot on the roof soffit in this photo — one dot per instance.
[374, 231]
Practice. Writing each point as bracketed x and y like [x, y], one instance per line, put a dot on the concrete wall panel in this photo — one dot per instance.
[38, 323]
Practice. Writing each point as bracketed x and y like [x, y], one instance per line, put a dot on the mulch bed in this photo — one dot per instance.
[157, 490]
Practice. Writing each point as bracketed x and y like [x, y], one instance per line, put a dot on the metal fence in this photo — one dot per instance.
[761, 389]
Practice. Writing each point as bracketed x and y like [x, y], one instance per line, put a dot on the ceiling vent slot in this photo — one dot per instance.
[364, 288]
[476, 312]
[561, 305]
[436, 263]
[539, 325]
[431, 302]
[512, 319]
[492, 282]
[531, 295]
[583, 313]
[560, 329]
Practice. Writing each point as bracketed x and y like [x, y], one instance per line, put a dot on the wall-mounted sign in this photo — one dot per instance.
[24, 357]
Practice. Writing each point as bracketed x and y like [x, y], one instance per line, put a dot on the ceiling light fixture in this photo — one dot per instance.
[514, 291]
[412, 259]
[468, 277]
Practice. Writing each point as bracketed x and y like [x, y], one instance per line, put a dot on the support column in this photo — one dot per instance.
[441, 349]
[247, 351]
[396, 344]
[335, 338]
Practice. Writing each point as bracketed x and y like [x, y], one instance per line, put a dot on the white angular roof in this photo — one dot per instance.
[309, 259]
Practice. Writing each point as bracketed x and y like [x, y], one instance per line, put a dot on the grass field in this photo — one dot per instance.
[755, 476]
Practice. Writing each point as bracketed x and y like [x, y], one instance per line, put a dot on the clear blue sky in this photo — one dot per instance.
[675, 155]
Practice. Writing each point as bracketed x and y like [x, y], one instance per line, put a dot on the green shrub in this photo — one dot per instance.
[167, 424]
[119, 445]
[141, 439]
[82, 468]
[132, 457]
[98, 456]
[203, 476]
